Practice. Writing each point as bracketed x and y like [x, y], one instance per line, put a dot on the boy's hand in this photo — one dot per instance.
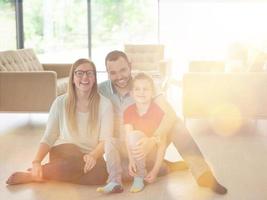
[143, 147]
[151, 176]
[132, 168]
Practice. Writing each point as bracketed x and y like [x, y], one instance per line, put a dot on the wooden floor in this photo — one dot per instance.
[240, 163]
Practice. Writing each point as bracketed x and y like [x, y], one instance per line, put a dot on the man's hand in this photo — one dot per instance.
[143, 147]
[90, 162]
[151, 176]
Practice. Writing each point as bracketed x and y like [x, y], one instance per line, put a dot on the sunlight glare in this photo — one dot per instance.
[226, 119]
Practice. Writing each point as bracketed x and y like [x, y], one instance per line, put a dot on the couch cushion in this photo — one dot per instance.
[225, 95]
[30, 60]
[11, 61]
[62, 84]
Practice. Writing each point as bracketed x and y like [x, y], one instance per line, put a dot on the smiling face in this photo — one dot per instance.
[119, 72]
[142, 91]
[84, 77]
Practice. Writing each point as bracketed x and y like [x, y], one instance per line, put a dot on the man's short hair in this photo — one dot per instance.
[115, 55]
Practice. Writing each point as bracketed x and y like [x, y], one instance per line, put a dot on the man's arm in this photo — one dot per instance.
[168, 119]
[145, 145]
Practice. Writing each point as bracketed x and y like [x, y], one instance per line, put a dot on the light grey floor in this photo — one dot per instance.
[239, 161]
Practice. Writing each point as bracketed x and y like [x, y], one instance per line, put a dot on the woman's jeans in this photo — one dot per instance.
[66, 164]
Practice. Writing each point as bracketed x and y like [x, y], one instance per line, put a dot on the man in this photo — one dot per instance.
[117, 89]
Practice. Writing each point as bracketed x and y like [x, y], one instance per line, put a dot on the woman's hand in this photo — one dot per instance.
[37, 172]
[132, 168]
[90, 162]
[151, 176]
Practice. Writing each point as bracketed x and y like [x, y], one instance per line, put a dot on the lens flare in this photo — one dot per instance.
[226, 119]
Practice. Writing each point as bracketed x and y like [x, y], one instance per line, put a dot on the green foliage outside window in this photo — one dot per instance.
[63, 24]
[118, 20]
[8, 25]
[5, 2]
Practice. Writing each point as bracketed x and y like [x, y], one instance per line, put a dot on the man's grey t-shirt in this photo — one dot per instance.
[120, 103]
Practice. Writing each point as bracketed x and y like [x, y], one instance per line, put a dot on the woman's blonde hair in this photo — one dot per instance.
[71, 100]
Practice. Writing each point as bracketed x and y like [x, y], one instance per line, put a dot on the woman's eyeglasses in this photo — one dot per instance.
[80, 73]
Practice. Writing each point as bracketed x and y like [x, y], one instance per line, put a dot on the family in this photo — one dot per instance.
[112, 132]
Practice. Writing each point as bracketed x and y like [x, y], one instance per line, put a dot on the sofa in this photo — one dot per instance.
[26, 85]
[225, 103]
[207, 95]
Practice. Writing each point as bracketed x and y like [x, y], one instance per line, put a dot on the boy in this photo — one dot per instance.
[141, 120]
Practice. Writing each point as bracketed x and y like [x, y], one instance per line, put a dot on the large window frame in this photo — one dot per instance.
[20, 26]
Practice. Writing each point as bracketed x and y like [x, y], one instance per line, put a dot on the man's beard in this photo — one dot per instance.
[123, 83]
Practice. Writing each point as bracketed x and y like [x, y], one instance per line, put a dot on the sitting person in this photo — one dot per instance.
[117, 89]
[141, 119]
[78, 124]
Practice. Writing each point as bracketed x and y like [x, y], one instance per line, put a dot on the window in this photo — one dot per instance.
[8, 25]
[56, 30]
[205, 30]
[115, 23]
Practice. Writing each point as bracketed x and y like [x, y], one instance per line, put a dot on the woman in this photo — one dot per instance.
[79, 122]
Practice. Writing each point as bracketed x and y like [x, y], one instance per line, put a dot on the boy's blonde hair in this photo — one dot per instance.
[144, 76]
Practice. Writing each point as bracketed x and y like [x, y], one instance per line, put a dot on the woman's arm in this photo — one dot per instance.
[36, 163]
[41, 152]
[50, 136]
[98, 150]
[52, 129]
[105, 132]
[91, 158]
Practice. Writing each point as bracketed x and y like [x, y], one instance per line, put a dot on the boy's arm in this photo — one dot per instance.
[132, 167]
[161, 148]
[128, 128]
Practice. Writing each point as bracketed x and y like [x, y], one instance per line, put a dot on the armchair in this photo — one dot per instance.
[148, 58]
[206, 66]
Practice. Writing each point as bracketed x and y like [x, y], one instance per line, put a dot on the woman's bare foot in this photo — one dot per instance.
[21, 178]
